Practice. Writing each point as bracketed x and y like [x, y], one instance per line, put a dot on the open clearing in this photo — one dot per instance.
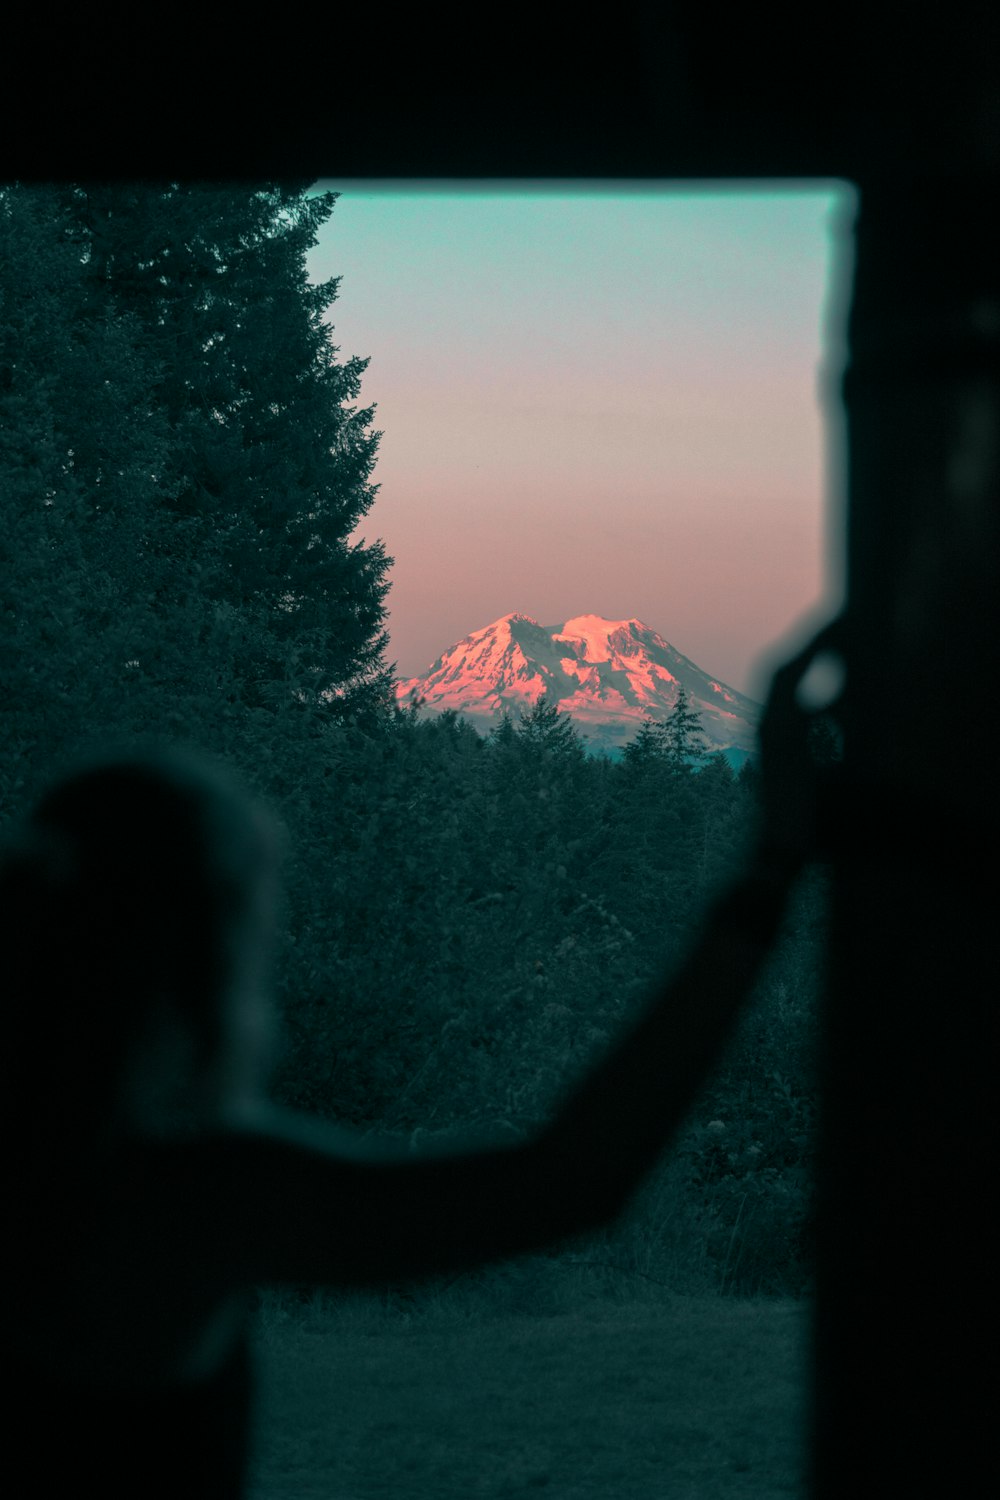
[693, 1399]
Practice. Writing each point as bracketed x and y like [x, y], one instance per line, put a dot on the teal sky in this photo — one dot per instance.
[598, 401]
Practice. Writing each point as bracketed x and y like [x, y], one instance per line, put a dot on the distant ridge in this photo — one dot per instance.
[608, 675]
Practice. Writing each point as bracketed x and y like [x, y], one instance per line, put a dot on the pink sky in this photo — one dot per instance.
[599, 403]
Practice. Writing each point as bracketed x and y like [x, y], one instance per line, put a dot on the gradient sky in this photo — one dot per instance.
[599, 401]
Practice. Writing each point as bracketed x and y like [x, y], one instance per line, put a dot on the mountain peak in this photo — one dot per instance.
[598, 635]
[597, 622]
[608, 675]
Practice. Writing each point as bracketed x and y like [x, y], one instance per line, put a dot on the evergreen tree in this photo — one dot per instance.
[503, 733]
[181, 468]
[544, 728]
[84, 461]
[684, 740]
[265, 440]
[647, 746]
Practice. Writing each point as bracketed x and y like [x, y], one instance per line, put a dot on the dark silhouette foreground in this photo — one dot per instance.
[154, 1187]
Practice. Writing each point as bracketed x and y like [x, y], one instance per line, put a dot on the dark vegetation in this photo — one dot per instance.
[183, 467]
[473, 920]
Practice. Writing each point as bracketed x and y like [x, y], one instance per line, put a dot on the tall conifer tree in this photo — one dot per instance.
[684, 739]
[183, 466]
[266, 439]
[544, 728]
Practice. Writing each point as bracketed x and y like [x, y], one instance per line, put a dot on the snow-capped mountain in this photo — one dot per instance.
[607, 674]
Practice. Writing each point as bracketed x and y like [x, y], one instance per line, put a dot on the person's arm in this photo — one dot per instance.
[620, 1119]
[312, 1203]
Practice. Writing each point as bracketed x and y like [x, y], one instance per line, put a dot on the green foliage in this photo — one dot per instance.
[646, 746]
[545, 731]
[683, 737]
[490, 916]
[678, 741]
[182, 467]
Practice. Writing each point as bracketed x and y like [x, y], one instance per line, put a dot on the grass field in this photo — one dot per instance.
[678, 1399]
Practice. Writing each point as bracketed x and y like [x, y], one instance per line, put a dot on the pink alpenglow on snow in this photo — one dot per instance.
[608, 675]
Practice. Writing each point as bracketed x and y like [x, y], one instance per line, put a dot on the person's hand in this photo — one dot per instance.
[788, 763]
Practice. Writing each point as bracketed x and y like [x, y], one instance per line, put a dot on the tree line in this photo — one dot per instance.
[472, 921]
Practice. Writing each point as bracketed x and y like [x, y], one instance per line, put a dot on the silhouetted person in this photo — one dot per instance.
[152, 1187]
